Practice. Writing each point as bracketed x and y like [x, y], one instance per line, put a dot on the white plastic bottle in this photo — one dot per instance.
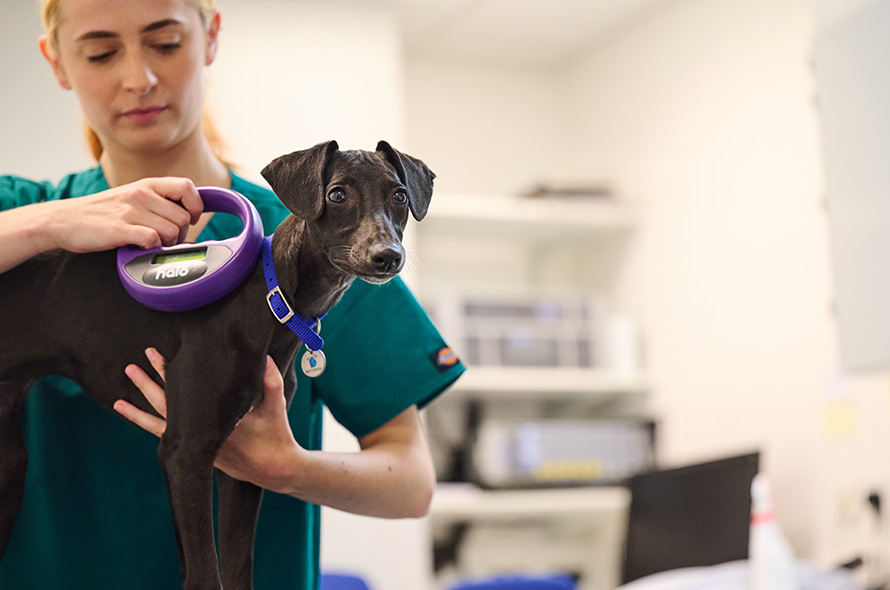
[770, 557]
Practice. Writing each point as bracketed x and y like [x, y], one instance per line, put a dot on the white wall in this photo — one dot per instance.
[706, 111]
[292, 74]
[40, 124]
[483, 129]
[702, 112]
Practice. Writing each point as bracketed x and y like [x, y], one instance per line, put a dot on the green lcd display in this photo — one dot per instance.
[180, 256]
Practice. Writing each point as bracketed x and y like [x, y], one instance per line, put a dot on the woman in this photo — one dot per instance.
[95, 512]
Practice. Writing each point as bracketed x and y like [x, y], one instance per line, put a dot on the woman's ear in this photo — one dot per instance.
[49, 53]
[212, 38]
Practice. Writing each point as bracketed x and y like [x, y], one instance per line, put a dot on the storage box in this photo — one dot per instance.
[510, 453]
[523, 332]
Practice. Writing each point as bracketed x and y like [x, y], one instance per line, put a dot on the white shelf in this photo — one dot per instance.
[492, 382]
[527, 217]
[467, 502]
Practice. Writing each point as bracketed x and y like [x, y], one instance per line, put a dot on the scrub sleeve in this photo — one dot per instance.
[96, 516]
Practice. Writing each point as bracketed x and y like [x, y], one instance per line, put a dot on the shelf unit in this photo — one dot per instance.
[513, 382]
[535, 218]
[484, 244]
[467, 237]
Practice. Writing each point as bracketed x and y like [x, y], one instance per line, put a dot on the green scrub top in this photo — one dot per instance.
[95, 514]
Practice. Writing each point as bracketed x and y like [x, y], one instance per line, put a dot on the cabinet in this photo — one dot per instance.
[496, 246]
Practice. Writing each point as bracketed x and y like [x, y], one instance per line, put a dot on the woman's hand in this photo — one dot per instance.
[392, 475]
[261, 449]
[146, 213]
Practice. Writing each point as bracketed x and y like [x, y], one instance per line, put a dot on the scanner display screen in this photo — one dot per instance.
[180, 256]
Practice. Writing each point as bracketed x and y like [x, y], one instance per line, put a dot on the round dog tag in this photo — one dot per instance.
[313, 363]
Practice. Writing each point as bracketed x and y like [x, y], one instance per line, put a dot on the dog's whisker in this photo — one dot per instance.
[415, 260]
[337, 252]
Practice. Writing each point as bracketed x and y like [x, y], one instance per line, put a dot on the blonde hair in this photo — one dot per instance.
[50, 14]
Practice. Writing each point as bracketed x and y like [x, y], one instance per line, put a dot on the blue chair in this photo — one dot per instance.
[555, 582]
[332, 581]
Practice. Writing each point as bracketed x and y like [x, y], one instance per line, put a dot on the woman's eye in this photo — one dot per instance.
[100, 57]
[337, 195]
[168, 47]
[401, 197]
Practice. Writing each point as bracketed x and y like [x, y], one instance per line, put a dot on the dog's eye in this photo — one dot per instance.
[337, 195]
[401, 197]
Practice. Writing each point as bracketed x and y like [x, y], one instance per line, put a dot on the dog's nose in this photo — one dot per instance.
[387, 259]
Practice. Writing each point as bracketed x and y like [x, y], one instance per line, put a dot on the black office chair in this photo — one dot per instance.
[690, 516]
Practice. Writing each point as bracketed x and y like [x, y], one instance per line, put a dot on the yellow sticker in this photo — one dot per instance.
[839, 419]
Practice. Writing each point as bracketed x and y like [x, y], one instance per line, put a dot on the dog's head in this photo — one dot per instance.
[355, 203]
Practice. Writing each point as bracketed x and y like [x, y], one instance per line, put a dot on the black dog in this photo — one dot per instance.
[69, 315]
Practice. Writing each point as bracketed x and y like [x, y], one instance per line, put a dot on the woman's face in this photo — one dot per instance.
[135, 66]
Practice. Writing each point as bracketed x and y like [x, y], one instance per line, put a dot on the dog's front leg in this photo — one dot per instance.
[205, 400]
[239, 508]
[188, 469]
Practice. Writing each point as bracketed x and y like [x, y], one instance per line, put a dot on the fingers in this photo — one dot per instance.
[273, 392]
[180, 191]
[144, 420]
[272, 402]
[153, 392]
[163, 209]
[157, 361]
[273, 382]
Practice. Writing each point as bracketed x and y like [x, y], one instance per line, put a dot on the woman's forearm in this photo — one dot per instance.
[389, 480]
[22, 235]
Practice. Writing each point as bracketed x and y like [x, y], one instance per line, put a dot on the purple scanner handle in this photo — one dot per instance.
[245, 251]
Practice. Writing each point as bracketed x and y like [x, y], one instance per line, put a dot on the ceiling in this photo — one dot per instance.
[522, 32]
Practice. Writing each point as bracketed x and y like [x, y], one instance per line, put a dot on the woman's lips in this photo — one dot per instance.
[143, 114]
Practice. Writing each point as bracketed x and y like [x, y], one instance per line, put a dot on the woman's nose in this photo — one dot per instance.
[139, 77]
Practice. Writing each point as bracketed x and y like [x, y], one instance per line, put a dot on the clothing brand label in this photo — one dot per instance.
[444, 358]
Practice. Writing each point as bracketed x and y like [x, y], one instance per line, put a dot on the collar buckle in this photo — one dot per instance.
[280, 309]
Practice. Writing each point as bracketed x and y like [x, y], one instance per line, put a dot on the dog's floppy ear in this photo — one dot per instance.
[298, 179]
[415, 175]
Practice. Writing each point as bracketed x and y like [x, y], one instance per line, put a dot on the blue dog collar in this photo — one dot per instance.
[283, 312]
